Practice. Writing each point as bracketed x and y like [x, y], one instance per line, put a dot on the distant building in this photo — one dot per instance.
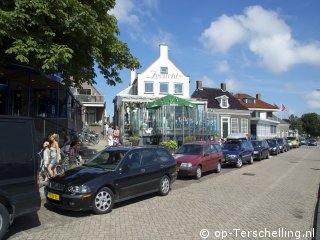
[233, 117]
[263, 122]
[93, 103]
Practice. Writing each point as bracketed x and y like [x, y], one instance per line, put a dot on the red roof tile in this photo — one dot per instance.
[258, 103]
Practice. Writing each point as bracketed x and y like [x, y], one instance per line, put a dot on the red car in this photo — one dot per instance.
[195, 158]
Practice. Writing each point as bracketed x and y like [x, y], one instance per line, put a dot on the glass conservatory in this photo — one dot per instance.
[163, 122]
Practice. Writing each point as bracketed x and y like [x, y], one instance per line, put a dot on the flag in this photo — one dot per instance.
[275, 105]
[283, 108]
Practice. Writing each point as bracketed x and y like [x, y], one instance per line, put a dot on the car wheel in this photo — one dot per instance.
[218, 168]
[267, 157]
[251, 160]
[198, 172]
[103, 201]
[4, 220]
[164, 186]
[239, 163]
[260, 157]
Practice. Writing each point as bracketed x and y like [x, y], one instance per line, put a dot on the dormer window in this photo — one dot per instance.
[250, 100]
[223, 101]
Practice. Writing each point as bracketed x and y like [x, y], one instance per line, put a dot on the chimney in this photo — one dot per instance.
[199, 85]
[164, 51]
[132, 76]
[223, 87]
[258, 96]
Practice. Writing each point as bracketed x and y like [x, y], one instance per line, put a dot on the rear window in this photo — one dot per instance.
[190, 149]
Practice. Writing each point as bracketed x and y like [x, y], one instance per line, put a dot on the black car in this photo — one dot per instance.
[237, 152]
[312, 142]
[113, 175]
[283, 144]
[274, 148]
[19, 186]
[261, 149]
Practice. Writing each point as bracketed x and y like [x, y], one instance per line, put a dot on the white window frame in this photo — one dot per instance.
[145, 87]
[244, 125]
[223, 101]
[167, 88]
[180, 93]
[163, 70]
[234, 125]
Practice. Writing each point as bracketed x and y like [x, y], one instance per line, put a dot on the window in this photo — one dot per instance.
[223, 101]
[178, 88]
[163, 70]
[148, 158]
[234, 125]
[244, 125]
[250, 100]
[148, 87]
[85, 91]
[163, 156]
[164, 88]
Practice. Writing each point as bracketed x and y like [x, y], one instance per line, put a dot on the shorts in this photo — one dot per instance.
[53, 161]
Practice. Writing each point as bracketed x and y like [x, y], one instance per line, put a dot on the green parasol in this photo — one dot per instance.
[170, 100]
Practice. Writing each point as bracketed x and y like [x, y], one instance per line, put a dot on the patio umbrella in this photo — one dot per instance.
[170, 100]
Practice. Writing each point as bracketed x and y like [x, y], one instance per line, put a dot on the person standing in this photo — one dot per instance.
[116, 136]
[105, 129]
[66, 142]
[46, 158]
[54, 154]
[110, 136]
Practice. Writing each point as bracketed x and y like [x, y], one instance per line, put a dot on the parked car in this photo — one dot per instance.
[294, 142]
[274, 148]
[261, 149]
[283, 144]
[113, 175]
[237, 152]
[195, 158]
[303, 141]
[19, 182]
[312, 142]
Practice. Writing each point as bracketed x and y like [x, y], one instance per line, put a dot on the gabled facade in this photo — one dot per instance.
[93, 103]
[233, 116]
[263, 122]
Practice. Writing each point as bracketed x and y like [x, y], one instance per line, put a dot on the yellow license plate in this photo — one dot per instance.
[54, 196]
[177, 169]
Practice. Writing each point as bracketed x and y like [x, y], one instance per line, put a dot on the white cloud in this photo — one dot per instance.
[207, 82]
[124, 12]
[223, 67]
[313, 100]
[233, 85]
[267, 36]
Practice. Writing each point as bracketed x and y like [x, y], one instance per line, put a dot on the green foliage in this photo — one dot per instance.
[171, 145]
[295, 123]
[189, 139]
[311, 124]
[134, 140]
[64, 37]
[94, 124]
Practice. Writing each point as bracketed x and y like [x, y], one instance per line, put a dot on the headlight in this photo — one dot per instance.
[78, 189]
[232, 156]
[274, 148]
[256, 152]
[186, 165]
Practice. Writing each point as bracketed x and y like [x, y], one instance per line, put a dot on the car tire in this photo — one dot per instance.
[4, 220]
[218, 168]
[239, 163]
[268, 155]
[103, 201]
[198, 172]
[251, 160]
[164, 186]
[260, 157]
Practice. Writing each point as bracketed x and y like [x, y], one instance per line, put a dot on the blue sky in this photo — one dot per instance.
[271, 47]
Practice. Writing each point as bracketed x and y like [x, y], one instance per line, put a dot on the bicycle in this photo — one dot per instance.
[69, 161]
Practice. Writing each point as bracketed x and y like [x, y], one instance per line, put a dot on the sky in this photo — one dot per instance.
[271, 47]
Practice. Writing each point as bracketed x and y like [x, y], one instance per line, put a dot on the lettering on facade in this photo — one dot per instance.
[157, 75]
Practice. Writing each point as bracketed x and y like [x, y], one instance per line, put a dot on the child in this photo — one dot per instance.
[46, 156]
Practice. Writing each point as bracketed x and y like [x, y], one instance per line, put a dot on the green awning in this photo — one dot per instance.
[170, 100]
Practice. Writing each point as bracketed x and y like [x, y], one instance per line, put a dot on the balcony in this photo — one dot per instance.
[90, 98]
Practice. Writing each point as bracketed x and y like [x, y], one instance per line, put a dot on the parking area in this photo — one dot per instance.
[274, 194]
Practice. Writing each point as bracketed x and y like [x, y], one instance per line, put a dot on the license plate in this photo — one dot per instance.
[53, 196]
[177, 169]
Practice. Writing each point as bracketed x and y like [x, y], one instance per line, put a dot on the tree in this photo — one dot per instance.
[311, 124]
[65, 37]
[295, 123]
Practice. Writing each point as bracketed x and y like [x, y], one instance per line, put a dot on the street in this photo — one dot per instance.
[277, 194]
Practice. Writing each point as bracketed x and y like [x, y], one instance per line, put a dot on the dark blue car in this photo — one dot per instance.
[237, 152]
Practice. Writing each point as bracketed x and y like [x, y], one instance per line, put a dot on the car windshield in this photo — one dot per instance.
[231, 146]
[272, 143]
[256, 143]
[108, 159]
[190, 149]
[291, 138]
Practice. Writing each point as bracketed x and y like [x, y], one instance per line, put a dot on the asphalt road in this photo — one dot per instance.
[277, 192]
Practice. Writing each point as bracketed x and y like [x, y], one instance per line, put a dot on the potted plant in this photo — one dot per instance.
[170, 145]
[134, 140]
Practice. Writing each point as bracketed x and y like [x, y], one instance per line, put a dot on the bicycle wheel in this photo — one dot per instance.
[60, 169]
